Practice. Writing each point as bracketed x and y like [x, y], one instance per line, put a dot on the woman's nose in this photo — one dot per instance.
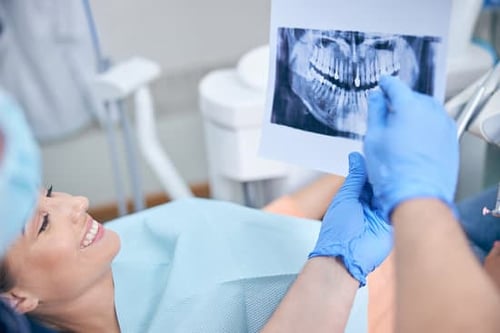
[80, 205]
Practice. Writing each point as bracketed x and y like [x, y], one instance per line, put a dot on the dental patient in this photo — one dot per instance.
[189, 266]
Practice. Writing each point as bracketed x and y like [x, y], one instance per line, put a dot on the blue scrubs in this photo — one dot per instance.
[206, 266]
[482, 231]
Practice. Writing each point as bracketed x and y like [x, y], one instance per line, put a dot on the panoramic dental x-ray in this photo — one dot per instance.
[323, 77]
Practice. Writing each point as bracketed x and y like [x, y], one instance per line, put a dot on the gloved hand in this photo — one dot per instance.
[351, 229]
[411, 147]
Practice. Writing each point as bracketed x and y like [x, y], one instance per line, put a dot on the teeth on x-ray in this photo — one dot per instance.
[323, 77]
[344, 73]
[343, 81]
[333, 72]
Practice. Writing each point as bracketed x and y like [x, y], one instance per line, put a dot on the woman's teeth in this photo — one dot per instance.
[90, 236]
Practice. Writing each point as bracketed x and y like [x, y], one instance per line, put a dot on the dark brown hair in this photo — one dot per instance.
[7, 281]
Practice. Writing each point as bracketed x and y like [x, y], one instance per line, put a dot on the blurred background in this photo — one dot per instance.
[188, 39]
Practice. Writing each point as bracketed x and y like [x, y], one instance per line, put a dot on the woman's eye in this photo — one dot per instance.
[45, 224]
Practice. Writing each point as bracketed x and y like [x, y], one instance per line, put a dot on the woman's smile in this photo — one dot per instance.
[94, 233]
[66, 241]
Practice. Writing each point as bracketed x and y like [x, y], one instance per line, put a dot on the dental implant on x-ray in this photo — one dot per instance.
[332, 73]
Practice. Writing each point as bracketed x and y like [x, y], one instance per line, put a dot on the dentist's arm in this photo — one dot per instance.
[411, 153]
[440, 285]
[353, 241]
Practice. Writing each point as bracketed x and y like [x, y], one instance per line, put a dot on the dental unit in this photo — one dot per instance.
[480, 115]
[496, 211]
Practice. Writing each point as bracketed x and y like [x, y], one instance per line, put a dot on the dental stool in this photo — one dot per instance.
[232, 103]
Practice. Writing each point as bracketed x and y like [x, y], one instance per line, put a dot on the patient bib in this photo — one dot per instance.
[199, 265]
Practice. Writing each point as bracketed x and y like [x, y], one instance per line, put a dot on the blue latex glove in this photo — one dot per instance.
[351, 229]
[411, 147]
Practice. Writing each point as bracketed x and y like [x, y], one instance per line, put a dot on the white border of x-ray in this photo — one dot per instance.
[405, 17]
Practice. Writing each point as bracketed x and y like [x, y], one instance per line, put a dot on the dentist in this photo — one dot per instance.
[411, 153]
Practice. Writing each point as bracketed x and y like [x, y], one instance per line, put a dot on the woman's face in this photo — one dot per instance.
[63, 252]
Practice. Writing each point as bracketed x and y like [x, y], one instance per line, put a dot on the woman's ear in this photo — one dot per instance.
[21, 301]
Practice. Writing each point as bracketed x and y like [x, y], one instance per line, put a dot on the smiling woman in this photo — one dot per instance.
[61, 266]
[191, 265]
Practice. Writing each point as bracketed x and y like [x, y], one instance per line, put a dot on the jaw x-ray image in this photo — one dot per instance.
[323, 77]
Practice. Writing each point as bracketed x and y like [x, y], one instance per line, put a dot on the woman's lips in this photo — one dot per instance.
[94, 233]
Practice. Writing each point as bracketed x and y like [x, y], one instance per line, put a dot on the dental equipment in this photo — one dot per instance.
[496, 211]
[130, 78]
[480, 115]
[232, 104]
[474, 105]
[114, 111]
[113, 85]
[466, 61]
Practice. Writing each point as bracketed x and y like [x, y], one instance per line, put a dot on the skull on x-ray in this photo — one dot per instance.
[332, 72]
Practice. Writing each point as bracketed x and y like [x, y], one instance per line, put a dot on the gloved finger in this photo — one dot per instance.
[396, 91]
[377, 110]
[367, 194]
[355, 181]
[375, 223]
[370, 200]
[376, 205]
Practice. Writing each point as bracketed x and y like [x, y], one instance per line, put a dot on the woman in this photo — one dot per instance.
[79, 279]
[221, 268]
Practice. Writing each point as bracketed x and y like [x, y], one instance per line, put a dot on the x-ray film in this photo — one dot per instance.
[323, 77]
[327, 56]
